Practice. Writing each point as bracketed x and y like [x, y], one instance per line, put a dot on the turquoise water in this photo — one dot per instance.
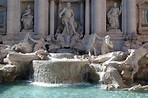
[28, 90]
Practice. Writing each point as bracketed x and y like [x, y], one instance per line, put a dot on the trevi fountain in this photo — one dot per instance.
[73, 48]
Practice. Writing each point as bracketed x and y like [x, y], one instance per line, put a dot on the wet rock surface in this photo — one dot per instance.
[115, 69]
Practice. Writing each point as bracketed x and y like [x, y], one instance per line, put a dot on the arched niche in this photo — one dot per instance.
[23, 7]
[78, 7]
[109, 5]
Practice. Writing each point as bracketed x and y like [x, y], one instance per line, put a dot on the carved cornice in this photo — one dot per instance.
[62, 1]
[70, 0]
[143, 2]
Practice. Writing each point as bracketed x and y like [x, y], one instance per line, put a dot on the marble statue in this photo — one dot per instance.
[24, 46]
[113, 17]
[52, 44]
[112, 56]
[69, 31]
[27, 19]
[39, 44]
[107, 44]
[92, 43]
[67, 16]
[27, 45]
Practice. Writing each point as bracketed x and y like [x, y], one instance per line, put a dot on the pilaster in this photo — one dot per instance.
[52, 15]
[11, 17]
[131, 16]
[41, 17]
[87, 17]
[124, 16]
[82, 13]
[98, 16]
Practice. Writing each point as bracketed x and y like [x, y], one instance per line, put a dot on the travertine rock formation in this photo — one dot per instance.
[7, 73]
[116, 69]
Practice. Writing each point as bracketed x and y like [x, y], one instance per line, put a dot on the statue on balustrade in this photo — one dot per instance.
[113, 17]
[27, 19]
[68, 30]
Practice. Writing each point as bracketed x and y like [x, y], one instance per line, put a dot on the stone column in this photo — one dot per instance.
[17, 17]
[124, 18]
[40, 17]
[98, 16]
[82, 14]
[52, 5]
[59, 7]
[47, 17]
[10, 17]
[103, 16]
[131, 16]
[87, 17]
[92, 17]
[35, 17]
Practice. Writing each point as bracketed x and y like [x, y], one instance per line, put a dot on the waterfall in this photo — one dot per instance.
[58, 70]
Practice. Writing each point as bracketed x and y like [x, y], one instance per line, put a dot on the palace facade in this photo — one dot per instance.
[101, 17]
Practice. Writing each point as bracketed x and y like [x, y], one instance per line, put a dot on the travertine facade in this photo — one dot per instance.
[99, 17]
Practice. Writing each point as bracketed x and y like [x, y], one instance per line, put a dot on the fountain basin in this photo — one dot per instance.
[58, 70]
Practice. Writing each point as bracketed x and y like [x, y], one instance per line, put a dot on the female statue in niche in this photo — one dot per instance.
[113, 17]
[27, 19]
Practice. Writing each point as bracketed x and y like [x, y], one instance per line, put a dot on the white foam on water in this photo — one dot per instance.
[58, 85]
[46, 84]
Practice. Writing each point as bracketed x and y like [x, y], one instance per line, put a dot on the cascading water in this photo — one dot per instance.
[57, 70]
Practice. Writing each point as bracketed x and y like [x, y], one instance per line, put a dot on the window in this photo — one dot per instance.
[2, 17]
[143, 17]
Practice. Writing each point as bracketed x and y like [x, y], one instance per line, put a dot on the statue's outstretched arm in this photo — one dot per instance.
[26, 12]
[36, 41]
[60, 15]
[109, 12]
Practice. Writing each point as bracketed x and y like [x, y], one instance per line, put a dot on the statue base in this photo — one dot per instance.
[27, 31]
[114, 30]
[115, 33]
